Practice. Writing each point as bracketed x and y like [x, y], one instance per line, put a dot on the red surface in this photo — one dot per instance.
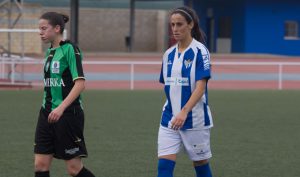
[156, 69]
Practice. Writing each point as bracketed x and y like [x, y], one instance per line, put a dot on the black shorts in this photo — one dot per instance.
[63, 139]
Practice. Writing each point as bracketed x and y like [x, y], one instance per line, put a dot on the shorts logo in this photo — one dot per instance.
[200, 149]
[55, 67]
[71, 151]
[187, 63]
[78, 140]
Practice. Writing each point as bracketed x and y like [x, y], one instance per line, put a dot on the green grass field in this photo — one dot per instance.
[256, 134]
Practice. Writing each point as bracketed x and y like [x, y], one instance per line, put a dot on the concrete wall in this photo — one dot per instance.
[32, 43]
[100, 30]
[104, 30]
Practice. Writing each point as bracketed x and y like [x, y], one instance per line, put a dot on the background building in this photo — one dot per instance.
[103, 25]
[232, 26]
[250, 26]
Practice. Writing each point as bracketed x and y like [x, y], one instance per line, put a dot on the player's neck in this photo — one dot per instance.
[183, 44]
[56, 41]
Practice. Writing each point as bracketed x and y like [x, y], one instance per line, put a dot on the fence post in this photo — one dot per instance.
[280, 76]
[131, 76]
[12, 74]
[2, 68]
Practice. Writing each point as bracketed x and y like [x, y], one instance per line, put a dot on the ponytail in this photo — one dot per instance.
[65, 17]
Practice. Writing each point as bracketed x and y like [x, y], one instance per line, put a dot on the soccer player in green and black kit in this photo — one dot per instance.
[59, 131]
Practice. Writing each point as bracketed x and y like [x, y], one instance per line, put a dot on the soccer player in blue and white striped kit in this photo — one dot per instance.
[186, 118]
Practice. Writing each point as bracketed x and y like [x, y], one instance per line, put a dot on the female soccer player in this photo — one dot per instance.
[186, 118]
[59, 131]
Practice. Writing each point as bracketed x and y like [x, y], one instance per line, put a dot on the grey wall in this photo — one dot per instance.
[104, 30]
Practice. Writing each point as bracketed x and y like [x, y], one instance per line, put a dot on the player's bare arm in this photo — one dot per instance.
[79, 86]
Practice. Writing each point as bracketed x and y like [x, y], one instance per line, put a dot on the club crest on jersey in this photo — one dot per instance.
[169, 62]
[55, 67]
[187, 63]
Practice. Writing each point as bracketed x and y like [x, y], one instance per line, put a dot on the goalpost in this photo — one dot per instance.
[22, 31]
[8, 75]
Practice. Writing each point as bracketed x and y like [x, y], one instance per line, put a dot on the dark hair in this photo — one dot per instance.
[55, 18]
[190, 15]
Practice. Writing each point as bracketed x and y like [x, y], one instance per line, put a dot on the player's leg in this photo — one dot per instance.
[166, 165]
[44, 147]
[70, 144]
[202, 168]
[169, 143]
[42, 164]
[197, 145]
[75, 168]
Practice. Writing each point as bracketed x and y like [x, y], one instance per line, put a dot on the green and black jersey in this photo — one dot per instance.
[63, 65]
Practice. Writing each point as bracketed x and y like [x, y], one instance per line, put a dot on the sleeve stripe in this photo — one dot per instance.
[78, 61]
[79, 78]
[161, 78]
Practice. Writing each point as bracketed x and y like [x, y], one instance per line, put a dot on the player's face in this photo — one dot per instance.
[48, 33]
[180, 28]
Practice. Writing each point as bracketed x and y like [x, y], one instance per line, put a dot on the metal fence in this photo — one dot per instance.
[12, 72]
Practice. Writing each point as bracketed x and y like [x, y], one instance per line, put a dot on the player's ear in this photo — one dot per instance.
[191, 25]
[57, 29]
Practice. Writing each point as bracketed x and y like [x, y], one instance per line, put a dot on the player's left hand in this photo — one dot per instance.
[55, 115]
[179, 120]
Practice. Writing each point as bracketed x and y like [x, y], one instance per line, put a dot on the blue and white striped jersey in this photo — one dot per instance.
[179, 74]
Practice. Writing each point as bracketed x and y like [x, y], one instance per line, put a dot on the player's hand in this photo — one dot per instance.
[55, 115]
[179, 120]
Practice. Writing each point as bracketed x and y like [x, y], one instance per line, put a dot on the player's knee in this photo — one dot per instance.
[73, 169]
[201, 162]
[166, 165]
[40, 165]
